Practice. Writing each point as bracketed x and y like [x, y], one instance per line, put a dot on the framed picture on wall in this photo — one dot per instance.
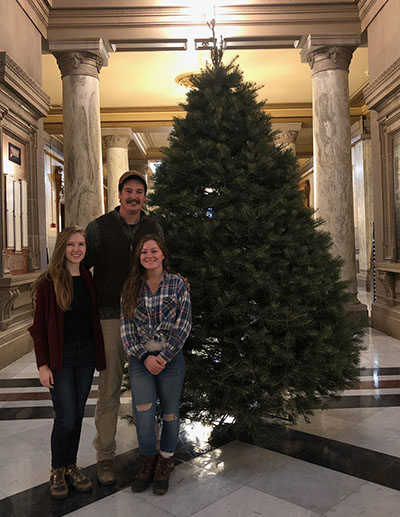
[14, 153]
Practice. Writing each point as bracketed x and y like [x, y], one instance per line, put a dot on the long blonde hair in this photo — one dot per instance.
[57, 270]
[134, 282]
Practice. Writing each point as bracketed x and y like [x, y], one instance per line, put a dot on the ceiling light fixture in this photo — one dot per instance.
[185, 79]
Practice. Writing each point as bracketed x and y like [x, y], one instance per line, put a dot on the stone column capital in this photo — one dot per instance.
[329, 52]
[285, 137]
[286, 134]
[117, 137]
[80, 57]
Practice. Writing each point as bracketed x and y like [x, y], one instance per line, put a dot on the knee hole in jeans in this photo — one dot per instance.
[170, 417]
[144, 407]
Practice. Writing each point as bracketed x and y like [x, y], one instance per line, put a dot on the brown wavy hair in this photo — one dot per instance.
[57, 270]
[134, 282]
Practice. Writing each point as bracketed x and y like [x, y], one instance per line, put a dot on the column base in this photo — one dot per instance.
[386, 319]
[360, 310]
[15, 343]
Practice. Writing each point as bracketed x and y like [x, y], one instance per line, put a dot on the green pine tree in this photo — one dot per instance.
[271, 334]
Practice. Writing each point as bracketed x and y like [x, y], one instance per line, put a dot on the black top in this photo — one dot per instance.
[113, 259]
[78, 320]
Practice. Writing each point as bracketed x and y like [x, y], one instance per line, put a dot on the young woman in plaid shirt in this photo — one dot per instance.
[155, 323]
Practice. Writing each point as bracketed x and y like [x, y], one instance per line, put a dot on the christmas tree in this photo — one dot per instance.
[271, 335]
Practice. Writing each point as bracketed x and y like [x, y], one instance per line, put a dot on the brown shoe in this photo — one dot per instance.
[58, 485]
[145, 475]
[164, 467]
[75, 477]
[106, 474]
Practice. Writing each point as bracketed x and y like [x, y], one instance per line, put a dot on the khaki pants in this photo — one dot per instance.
[110, 379]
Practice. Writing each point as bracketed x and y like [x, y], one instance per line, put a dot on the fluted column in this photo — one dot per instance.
[116, 141]
[80, 63]
[329, 59]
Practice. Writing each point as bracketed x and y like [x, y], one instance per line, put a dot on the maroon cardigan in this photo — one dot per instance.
[47, 330]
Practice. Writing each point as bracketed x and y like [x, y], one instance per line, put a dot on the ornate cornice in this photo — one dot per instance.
[368, 9]
[118, 22]
[23, 86]
[324, 9]
[384, 85]
[38, 11]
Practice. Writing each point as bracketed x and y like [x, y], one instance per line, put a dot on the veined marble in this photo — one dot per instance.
[84, 200]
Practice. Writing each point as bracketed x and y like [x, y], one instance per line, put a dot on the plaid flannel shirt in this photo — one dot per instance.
[164, 315]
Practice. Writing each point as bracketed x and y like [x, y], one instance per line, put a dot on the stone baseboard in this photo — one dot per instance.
[15, 343]
[386, 319]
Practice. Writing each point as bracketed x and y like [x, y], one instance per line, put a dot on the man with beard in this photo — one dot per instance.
[111, 242]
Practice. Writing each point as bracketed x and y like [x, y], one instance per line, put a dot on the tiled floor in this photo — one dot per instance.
[345, 462]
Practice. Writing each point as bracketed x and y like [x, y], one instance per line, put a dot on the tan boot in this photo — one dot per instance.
[164, 467]
[145, 475]
[58, 484]
[106, 474]
[76, 478]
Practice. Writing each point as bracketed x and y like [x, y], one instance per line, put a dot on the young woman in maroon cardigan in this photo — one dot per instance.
[68, 346]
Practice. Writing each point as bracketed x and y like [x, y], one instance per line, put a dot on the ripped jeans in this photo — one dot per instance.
[146, 389]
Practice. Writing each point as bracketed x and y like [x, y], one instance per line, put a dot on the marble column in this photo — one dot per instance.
[116, 141]
[363, 198]
[80, 63]
[329, 59]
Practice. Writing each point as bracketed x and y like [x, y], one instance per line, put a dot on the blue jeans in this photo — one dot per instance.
[69, 394]
[146, 389]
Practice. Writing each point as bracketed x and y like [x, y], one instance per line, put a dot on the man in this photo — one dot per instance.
[111, 242]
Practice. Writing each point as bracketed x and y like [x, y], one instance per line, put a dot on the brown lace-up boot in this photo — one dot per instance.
[106, 474]
[164, 467]
[58, 485]
[145, 475]
[76, 478]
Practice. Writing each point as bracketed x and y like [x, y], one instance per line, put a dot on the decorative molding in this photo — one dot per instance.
[307, 167]
[7, 299]
[120, 141]
[120, 137]
[383, 86]
[368, 10]
[148, 45]
[118, 22]
[160, 118]
[285, 138]
[330, 58]
[325, 9]
[3, 111]
[328, 52]
[38, 12]
[387, 280]
[79, 63]
[80, 56]
[23, 86]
